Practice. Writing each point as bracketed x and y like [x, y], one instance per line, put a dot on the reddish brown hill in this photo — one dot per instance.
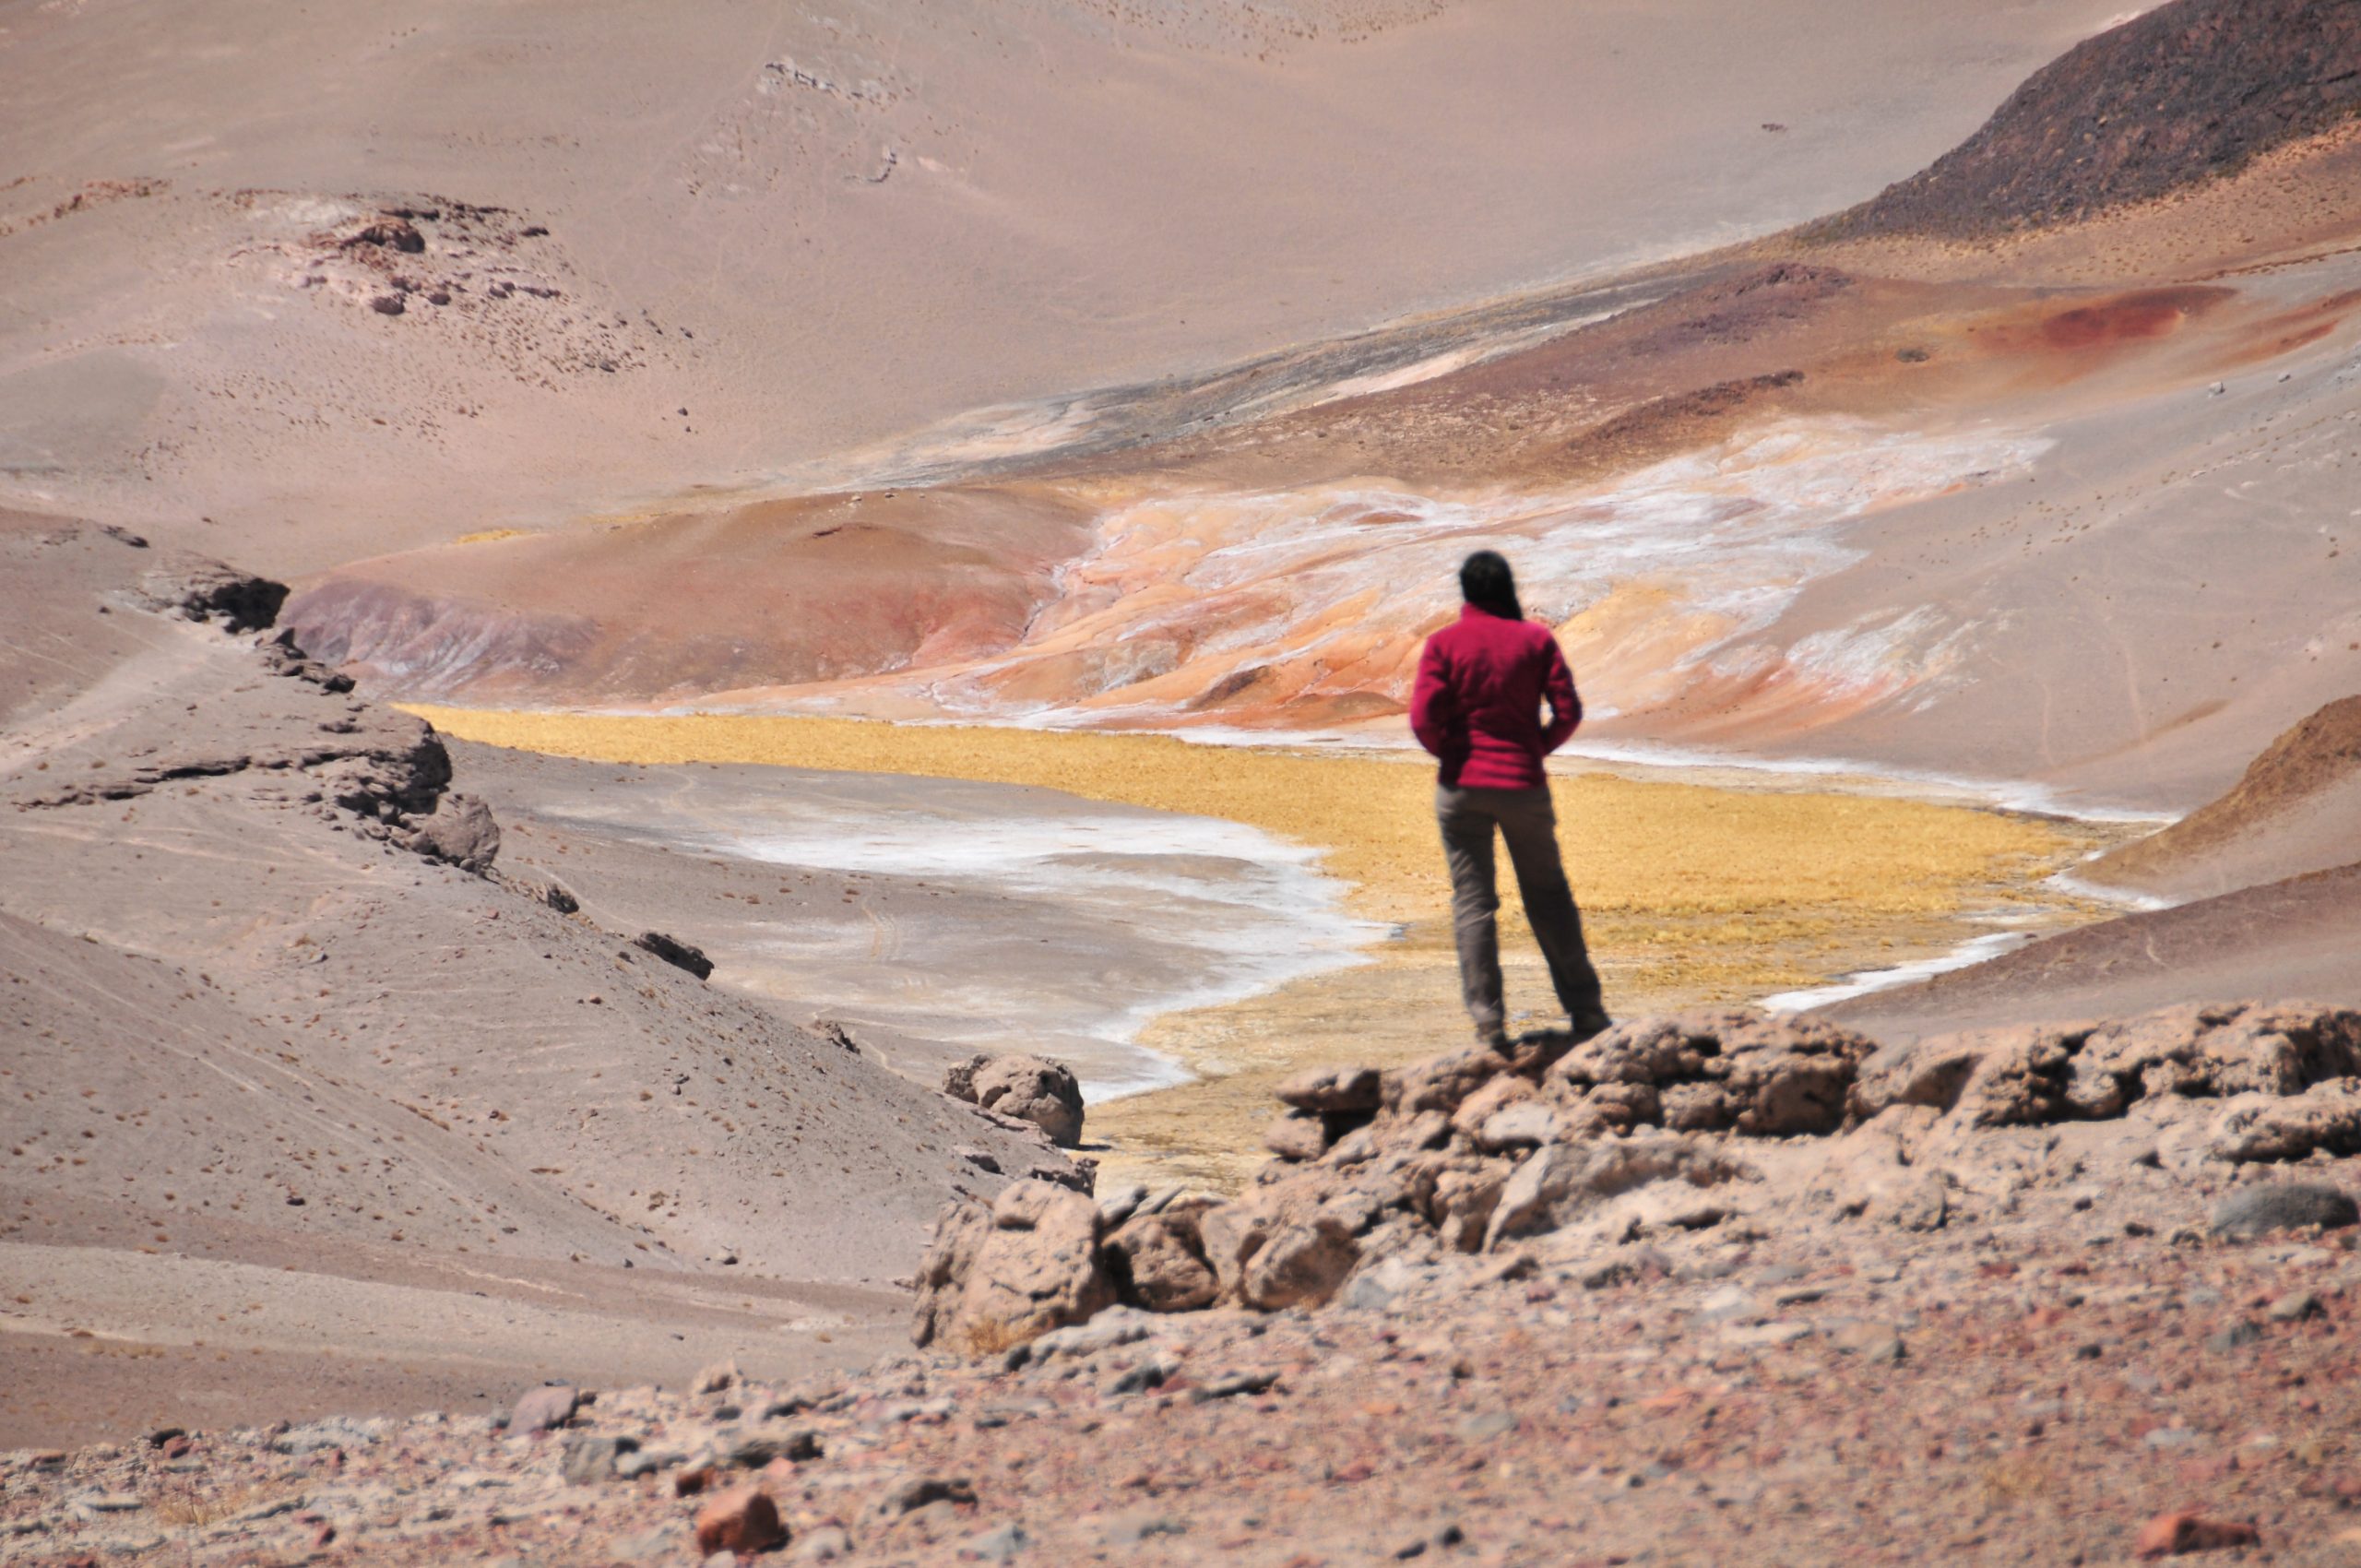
[2296, 809]
[2192, 89]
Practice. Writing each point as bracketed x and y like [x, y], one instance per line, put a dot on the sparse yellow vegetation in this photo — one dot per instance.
[1680, 865]
[1690, 893]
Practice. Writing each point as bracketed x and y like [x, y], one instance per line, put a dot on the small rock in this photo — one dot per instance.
[1232, 1385]
[1332, 1089]
[1122, 1203]
[588, 1460]
[823, 1543]
[542, 1408]
[1871, 1342]
[799, 1444]
[716, 1378]
[1375, 1290]
[2172, 1535]
[2282, 1206]
[743, 1519]
[915, 1492]
[999, 1545]
[1299, 1135]
[2294, 1307]
[2234, 1336]
[1729, 1304]
[648, 1461]
[1486, 1426]
[675, 951]
[1129, 1529]
[1522, 1126]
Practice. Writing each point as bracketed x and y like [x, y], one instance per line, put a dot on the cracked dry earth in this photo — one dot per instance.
[2123, 1336]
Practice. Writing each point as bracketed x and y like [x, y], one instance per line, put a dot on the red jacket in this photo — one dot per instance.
[1478, 701]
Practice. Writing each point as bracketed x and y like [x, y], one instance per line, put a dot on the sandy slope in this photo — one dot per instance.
[2296, 810]
[2297, 938]
[813, 227]
[245, 1024]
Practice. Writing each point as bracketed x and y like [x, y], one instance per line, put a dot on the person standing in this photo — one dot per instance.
[1477, 706]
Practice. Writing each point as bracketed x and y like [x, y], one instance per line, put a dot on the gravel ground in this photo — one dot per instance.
[2046, 1389]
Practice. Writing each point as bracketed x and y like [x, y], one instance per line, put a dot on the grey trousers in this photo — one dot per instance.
[1529, 822]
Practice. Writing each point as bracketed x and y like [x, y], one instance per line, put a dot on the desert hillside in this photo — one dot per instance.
[453, 270]
[1874, 489]
[709, 845]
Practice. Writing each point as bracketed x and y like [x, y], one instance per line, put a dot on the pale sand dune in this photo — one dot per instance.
[816, 227]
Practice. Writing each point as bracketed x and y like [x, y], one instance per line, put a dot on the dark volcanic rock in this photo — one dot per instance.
[2192, 89]
[207, 590]
[2283, 1206]
[461, 830]
[675, 951]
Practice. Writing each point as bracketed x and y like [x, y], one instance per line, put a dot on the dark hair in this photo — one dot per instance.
[1486, 582]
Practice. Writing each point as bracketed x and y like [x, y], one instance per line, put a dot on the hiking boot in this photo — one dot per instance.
[1494, 1037]
[1588, 1022]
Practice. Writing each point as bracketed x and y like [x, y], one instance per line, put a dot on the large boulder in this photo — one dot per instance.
[1159, 1262]
[1007, 1273]
[1559, 1182]
[2283, 1206]
[1332, 1089]
[2263, 1127]
[461, 830]
[1310, 1250]
[1733, 1070]
[1029, 1088]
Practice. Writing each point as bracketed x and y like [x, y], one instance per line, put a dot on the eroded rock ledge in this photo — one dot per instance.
[1656, 1130]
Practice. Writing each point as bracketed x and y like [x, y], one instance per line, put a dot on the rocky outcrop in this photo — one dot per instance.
[675, 951]
[2031, 1077]
[1029, 1088]
[199, 590]
[1007, 1273]
[1665, 1126]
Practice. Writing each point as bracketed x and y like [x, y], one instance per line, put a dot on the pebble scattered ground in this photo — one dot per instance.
[2074, 1385]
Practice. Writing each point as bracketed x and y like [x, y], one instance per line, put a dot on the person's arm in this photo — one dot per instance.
[1434, 711]
[1565, 706]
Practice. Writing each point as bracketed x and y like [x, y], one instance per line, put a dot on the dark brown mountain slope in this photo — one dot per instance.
[2190, 90]
[2296, 809]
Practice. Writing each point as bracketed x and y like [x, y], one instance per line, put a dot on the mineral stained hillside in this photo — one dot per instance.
[397, 1165]
[1947, 483]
